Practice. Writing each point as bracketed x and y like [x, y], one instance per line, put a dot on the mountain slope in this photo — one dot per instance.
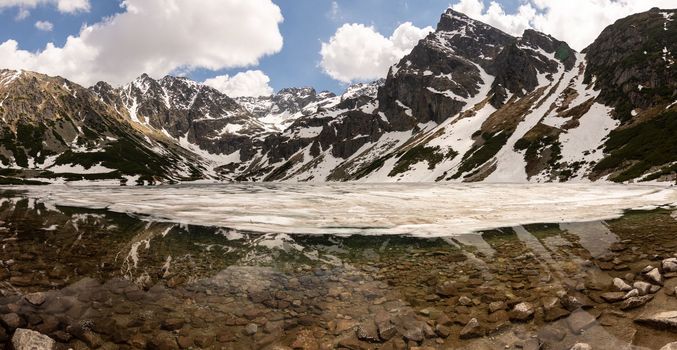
[52, 127]
[469, 103]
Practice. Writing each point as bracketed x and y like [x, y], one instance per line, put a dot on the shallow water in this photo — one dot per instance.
[117, 280]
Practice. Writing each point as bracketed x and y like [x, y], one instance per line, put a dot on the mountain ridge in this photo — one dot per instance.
[469, 103]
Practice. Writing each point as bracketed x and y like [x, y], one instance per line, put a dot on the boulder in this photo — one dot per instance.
[25, 339]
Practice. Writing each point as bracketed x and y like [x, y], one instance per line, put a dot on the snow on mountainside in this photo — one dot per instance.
[469, 103]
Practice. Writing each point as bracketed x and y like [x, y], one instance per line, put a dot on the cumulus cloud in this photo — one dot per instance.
[65, 6]
[359, 52]
[158, 37]
[249, 83]
[578, 22]
[45, 26]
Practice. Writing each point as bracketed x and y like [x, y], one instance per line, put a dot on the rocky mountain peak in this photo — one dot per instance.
[633, 62]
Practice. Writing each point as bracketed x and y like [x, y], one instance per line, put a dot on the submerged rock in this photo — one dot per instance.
[36, 299]
[621, 285]
[580, 320]
[669, 265]
[472, 330]
[655, 276]
[643, 287]
[613, 297]
[666, 320]
[25, 339]
[635, 302]
[522, 312]
[670, 346]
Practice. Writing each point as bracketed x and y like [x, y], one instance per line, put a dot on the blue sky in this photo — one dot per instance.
[223, 38]
[307, 23]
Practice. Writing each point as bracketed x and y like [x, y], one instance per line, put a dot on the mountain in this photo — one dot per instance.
[52, 128]
[469, 103]
[280, 110]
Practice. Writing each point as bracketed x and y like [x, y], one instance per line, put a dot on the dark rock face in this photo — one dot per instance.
[185, 109]
[428, 84]
[635, 51]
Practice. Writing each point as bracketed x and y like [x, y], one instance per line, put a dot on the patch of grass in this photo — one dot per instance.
[652, 143]
[372, 167]
[478, 155]
[420, 153]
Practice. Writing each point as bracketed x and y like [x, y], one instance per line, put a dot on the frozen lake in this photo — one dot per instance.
[421, 210]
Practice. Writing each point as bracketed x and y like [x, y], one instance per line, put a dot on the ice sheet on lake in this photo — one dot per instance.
[421, 210]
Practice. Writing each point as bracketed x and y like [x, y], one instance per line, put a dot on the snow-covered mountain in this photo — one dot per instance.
[469, 103]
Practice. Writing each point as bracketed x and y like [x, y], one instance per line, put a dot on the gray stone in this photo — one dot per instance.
[25, 339]
[632, 293]
[472, 330]
[669, 265]
[642, 287]
[654, 276]
[621, 285]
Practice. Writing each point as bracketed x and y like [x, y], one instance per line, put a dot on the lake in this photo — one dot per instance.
[352, 266]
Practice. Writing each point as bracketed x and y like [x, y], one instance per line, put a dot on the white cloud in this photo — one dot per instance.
[66, 6]
[578, 22]
[358, 52]
[158, 37]
[45, 26]
[249, 83]
[71, 6]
